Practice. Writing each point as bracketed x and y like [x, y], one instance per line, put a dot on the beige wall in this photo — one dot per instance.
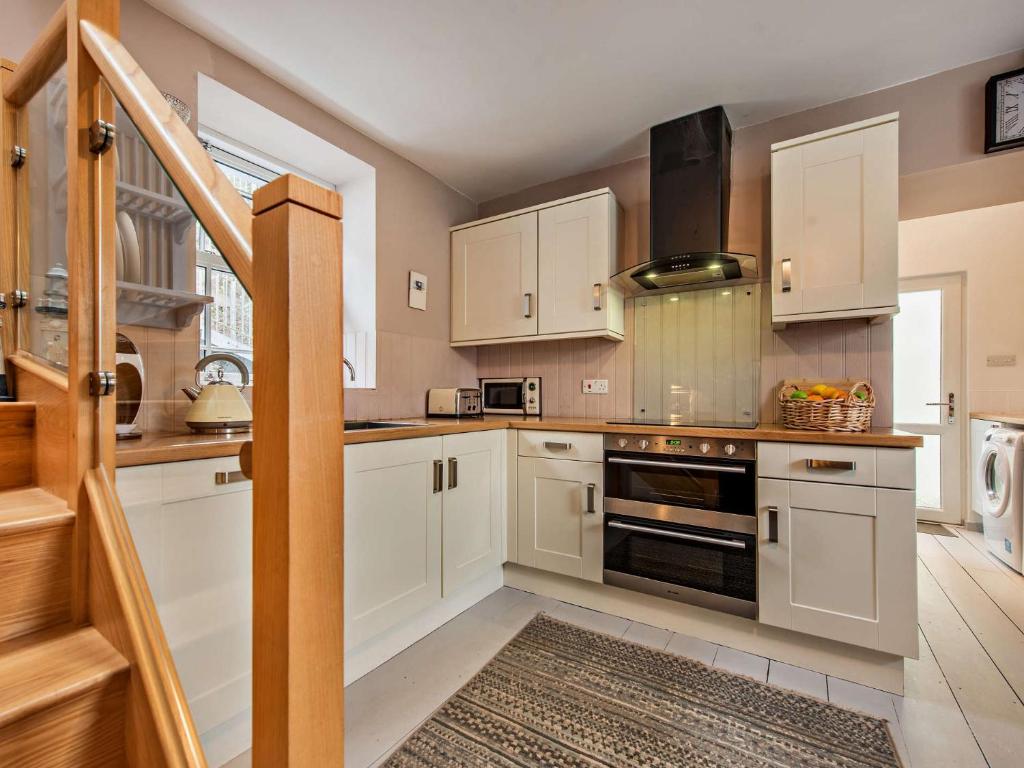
[414, 209]
[987, 245]
[942, 169]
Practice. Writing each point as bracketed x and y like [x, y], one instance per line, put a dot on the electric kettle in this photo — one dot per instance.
[218, 407]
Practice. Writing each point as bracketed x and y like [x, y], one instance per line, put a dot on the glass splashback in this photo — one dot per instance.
[697, 356]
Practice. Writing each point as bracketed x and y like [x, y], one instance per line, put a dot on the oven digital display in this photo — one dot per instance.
[674, 442]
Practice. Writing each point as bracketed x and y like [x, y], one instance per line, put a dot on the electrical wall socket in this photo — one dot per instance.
[595, 386]
[417, 291]
[1001, 361]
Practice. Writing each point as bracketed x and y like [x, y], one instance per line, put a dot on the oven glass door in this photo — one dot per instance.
[503, 396]
[718, 485]
[721, 562]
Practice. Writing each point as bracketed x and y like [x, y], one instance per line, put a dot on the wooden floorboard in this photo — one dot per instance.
[990, 706]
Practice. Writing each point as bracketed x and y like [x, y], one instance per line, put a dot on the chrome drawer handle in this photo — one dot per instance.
[591, 488]
[552, 446]
[787, 275]
[527, 305]
[597, 297]
[453, 473]
[826, 464]
[226, 478]
[678, 465]
[438, 473]
[731, 543]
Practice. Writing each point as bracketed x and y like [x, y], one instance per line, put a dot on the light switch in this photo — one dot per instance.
[595, 386]
[417, 291]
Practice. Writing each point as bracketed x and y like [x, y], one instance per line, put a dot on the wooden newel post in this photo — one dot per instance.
[298, 682]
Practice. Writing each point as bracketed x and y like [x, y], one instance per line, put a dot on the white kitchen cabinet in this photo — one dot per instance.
[194, 540]
[472, 506]
[834, 219]
[576, 257]
[539, 273]
[494, 279]
[392, 533]
[838, 560]
[561, 516]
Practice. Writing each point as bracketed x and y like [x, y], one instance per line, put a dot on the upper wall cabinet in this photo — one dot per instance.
[834, 223]
[539, 273]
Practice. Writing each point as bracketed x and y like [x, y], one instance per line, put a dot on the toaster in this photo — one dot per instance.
[454, 401]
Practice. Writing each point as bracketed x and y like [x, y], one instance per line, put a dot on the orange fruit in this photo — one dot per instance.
[840, 395]
[816, 398]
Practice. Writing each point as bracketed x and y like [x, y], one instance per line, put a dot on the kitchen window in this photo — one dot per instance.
[226, 324]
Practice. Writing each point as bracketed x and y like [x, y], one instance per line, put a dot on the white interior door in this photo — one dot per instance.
[928, 383]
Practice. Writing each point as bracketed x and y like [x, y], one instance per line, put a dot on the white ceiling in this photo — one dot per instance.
[496, 95]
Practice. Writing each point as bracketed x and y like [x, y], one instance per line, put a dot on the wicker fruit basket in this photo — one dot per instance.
[851, 413]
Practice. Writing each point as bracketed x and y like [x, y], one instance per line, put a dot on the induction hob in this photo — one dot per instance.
[677, 423]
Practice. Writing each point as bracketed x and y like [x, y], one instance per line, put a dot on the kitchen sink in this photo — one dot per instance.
[354, 425]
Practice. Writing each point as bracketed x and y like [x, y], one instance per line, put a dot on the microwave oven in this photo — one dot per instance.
[520, 396]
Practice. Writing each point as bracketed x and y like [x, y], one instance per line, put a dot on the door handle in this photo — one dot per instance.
[773, 525]
[787, 275]
[591, 489]
[597, 297]
[951, 404]
[527, 305]
[438, 472]
[730, 543]
[453, 473]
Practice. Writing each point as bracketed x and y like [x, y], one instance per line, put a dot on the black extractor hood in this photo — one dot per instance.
[690, 159]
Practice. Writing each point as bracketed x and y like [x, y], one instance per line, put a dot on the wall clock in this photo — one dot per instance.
[1004, 105]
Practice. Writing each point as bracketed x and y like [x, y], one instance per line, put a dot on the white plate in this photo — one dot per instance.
[132, 256]
[118, 251]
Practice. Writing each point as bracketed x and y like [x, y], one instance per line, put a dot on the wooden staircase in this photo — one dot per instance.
[62, 697]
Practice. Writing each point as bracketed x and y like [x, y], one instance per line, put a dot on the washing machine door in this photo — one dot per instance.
[993, 476]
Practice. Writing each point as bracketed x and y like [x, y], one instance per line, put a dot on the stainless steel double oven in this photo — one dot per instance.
[680, 519]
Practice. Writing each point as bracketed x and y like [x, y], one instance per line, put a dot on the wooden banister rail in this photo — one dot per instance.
[124, 612]
[298, 682]
[42, 60]
[220, 209]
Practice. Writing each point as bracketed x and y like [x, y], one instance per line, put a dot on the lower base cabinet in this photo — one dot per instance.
[839, 560]
[561, 516]
[423, 517]
[194, 540]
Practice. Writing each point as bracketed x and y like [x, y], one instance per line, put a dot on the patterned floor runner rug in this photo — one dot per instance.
[558, 696]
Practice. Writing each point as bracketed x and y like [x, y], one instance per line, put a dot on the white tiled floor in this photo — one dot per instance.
[963, 704]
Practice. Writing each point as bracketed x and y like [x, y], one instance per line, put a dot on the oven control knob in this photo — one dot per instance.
[533, 400]
[730, 449]
[644, 444]
[623, 442]
[705, 447]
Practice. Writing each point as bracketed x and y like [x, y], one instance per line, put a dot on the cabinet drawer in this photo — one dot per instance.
[578, 446]
[195, 479]
[849, 465]
[852, 465]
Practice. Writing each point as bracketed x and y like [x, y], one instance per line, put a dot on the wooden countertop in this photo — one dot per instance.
[159, 448]
[1006, 417]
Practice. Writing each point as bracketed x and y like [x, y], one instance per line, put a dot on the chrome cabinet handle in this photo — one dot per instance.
[527, 305]
[438, 472]
[597, 297]
[951, 404]
[773, 525]
[731, 543]
[787, 275]
[553, 446]
[826, 464]
[678, 465]
[453, 473]
[226, 478]
[591, 489]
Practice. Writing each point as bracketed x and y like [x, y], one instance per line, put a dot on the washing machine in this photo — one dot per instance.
[1000, 478]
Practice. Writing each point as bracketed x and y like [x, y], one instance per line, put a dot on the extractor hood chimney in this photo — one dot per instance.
[690, 159]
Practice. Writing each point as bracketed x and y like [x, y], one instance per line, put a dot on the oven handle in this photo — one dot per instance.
[679, 465]
[731, 543]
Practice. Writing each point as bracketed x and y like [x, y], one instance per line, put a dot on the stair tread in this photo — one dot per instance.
[58, 666]
[31, 507]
